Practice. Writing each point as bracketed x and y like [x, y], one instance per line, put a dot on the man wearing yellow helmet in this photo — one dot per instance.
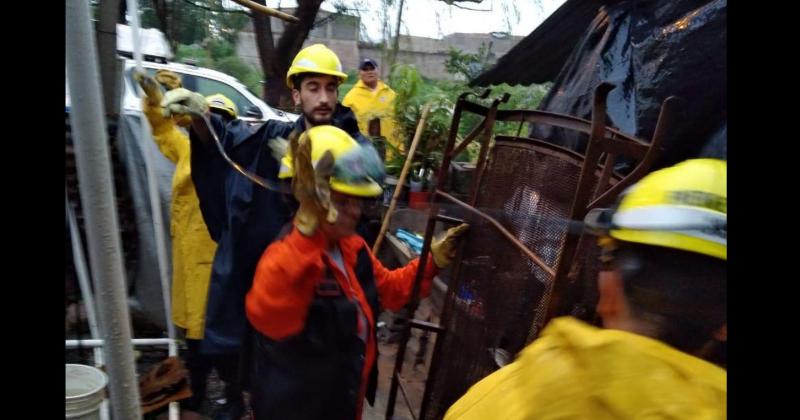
[662, 300]
[318, 290]
[242, 217]
[192, 247]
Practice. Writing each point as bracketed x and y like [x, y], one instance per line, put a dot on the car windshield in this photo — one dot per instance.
[204, 86]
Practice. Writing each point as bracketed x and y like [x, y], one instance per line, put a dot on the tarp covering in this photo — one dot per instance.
[650, 50]
[143, 279]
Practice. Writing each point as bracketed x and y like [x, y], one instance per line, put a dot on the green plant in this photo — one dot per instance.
[412, 95]
[194, 52]
[352, 78]
[234, 66]
[219, 49]
[221, 55]
[467, 65]
[414, 91]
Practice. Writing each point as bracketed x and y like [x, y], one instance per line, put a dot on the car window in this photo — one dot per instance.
[203, 86]
[208, 87]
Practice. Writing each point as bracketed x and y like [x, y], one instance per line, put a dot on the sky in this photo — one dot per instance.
[435, 18]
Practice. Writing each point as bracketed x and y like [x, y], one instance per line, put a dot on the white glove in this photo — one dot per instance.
[183, 101]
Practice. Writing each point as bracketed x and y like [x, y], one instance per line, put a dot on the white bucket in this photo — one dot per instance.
[85, 386]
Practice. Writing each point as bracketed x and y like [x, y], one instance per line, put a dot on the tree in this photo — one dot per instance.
[193, 21]
[396, 41]
[275, 56]
[467, 65]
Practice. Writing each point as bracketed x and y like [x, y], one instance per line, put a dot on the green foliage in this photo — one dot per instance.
[352, 78]
[413, 91]
[220, 48]
[221, 56]
[193, 22]
[412, 95]
[234, 66]
[228, 25]
[467, 66]
[193, 52]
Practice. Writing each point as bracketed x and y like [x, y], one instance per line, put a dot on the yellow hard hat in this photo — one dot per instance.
[683, 207]
[315, 58]
[222, 103]
[169, 79]
[353, 175]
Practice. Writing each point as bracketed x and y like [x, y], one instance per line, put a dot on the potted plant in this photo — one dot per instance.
[412, 95]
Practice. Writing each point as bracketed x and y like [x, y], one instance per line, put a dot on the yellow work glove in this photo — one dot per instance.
[169, 79]
[150, 87]
[184, 102]
[443, 248]
[311, 187]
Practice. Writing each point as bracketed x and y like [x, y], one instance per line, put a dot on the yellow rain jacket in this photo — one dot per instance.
[192, 247]
[368, 104]
[577, 371]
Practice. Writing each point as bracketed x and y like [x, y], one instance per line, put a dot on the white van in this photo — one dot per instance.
[205, 82]
[156, 53]
[128, 152]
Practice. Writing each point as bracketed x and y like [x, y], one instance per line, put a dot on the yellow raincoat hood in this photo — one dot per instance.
[577, 371]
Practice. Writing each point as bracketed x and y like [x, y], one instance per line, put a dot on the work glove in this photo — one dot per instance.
[153, 97]
[169, 79]
[443, 248]
[150, 87]
[311, 186]
[183, 101]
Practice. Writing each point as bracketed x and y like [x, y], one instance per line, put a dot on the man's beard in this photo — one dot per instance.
[313, 120]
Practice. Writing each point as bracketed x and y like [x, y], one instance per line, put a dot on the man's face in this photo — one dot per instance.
[317, 96]
[368, 74]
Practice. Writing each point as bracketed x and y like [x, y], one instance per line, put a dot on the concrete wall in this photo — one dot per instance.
[341, 35]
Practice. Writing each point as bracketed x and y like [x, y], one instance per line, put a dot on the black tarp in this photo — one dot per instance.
[650, 50]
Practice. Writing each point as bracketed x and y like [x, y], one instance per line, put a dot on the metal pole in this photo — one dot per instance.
[97, 196]
[84, 281]
[71, 344]
[155, 203]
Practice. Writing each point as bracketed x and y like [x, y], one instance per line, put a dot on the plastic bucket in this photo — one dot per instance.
[85, 390]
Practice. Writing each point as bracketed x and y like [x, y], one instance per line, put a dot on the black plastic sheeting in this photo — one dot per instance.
[650, 50]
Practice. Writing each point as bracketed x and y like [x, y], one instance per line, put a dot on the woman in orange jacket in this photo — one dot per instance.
[317, 292]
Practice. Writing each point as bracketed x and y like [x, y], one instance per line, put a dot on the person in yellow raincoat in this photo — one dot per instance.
[192, 247]
[371, 98]
[662, 300]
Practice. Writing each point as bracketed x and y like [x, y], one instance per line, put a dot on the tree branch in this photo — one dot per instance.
[474, 10]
